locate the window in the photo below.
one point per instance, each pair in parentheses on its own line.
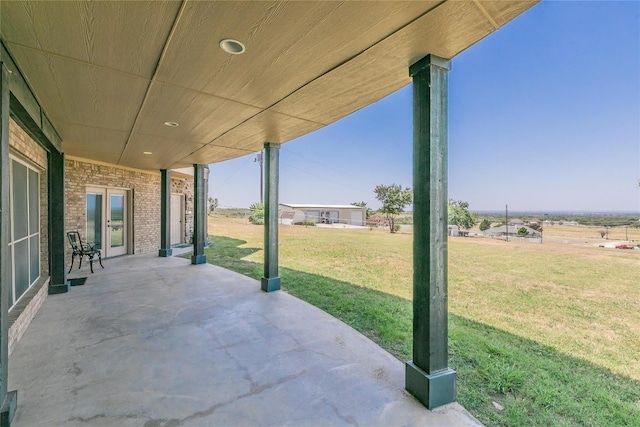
(24,240)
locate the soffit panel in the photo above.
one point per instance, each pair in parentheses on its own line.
(79,93)
(316,61)
(126,36)
(211,154)
(201,117)
(503,12)
(164,151)
(267,126)
(384,68)
(103,145)
(288,44)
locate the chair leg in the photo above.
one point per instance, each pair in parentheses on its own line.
(73,257)
(80,258)
(100,259)
(91,263)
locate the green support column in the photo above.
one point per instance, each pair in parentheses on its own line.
(58,283)
(165,213)
(207,176)
(199,215)
(8,399)
(428,376)
(271,280)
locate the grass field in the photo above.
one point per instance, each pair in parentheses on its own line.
(550,332)
(593,232)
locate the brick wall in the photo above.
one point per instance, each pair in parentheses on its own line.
(22,142)
(185,186)
(21,314)
(144,189)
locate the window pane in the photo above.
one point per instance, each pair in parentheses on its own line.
(34,260)
(21,252)
(19,192)
(117,220)
(94,219)
(34,202)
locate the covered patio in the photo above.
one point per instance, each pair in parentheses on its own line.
(159,342)
(107,107)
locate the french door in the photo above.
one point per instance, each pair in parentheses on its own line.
(107,220)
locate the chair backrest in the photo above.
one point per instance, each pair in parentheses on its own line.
(75,241)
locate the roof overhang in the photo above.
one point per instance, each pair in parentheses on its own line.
(311,206)
(110,74)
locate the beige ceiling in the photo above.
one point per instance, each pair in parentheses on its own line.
(109,74)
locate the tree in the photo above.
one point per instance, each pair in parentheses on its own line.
(257,214)
(485,224)
(459,214)
(213,205)
(523,232)
(394,199)
(368,211)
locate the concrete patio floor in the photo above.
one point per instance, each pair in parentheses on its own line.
(157,342)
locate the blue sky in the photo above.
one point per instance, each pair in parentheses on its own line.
(543,115)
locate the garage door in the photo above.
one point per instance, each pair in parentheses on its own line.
(356,218)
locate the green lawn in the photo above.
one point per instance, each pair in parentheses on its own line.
(550,333)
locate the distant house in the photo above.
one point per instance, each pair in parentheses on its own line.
(511,229)
(516,221)
(533,221)
(455,231)
(322,214)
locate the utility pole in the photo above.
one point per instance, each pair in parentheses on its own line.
(259,159)
(506,220)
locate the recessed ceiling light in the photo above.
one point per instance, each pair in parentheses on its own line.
(231,46)
(171,124)
(147,152)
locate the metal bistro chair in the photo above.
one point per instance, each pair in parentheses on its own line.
(82,249)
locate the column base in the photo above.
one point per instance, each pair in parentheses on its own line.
(431,390)
(59,288)
(165,252)
(271,284)
(8,408)
(198,259)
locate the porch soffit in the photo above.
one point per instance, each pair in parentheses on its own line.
(109,74)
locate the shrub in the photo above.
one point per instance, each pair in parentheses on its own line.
(396,228)
(309,223)
(257,214)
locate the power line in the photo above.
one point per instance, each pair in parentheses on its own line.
(229,177)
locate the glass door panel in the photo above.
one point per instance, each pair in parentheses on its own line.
(117,222)
(116,229)
(107,220)
(94,219)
